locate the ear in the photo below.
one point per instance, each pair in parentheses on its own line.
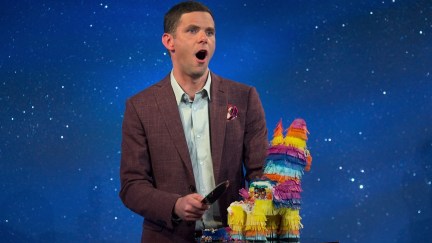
(168,42)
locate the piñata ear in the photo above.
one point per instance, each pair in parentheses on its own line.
(278,137)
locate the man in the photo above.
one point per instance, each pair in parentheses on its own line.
(187,133)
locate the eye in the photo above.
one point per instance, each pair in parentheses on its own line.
(210,33)
(192,30)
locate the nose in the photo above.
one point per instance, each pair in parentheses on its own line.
(202,38)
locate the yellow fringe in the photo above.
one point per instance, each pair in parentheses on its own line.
(263,207)
(295,142)
(273,222)
(236,217)
(278,140)
(256,222)
(291,220)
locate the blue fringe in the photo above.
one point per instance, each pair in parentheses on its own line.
(283,168)
(287,158)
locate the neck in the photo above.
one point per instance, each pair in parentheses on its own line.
(191,84)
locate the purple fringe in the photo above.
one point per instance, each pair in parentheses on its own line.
(287,150)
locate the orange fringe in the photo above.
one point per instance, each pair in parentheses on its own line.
(251,233)
(308,161)
(299,133)
(280,178)
(293,232)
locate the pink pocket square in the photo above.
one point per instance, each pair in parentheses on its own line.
(232,112)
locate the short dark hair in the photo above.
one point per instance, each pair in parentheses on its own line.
(173,16)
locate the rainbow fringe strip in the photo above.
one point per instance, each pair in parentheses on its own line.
(270,208)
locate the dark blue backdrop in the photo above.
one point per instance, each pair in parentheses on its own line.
(359,72)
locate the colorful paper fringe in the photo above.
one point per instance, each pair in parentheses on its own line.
(270,208)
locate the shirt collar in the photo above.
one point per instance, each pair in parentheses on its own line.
(178,91)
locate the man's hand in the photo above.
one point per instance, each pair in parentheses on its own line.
(190,207)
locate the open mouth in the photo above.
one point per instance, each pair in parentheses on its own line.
(201,55)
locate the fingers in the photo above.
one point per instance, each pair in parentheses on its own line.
(190,207)
(195,196)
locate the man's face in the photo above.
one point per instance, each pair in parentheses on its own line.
(193,44)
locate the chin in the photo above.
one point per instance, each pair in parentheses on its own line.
(199,73)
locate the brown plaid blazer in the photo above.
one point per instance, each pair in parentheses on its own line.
(156,168)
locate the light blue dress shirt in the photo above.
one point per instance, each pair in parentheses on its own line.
(194,115)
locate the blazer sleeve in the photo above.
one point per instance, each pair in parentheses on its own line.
(255,137)
(137,186)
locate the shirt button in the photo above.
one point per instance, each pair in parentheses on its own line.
(198,136)
(201,163)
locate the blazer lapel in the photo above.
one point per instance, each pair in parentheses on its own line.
(168,107)
(218,111)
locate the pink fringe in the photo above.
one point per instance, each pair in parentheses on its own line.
(289,150)
(244,194)
(288,190)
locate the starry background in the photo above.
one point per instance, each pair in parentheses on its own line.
(359,73)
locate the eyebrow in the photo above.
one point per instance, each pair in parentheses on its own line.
(211,28)
(198,27)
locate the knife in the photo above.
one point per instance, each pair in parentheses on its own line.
(216,193)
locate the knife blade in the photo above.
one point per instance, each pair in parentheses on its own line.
(216,193)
